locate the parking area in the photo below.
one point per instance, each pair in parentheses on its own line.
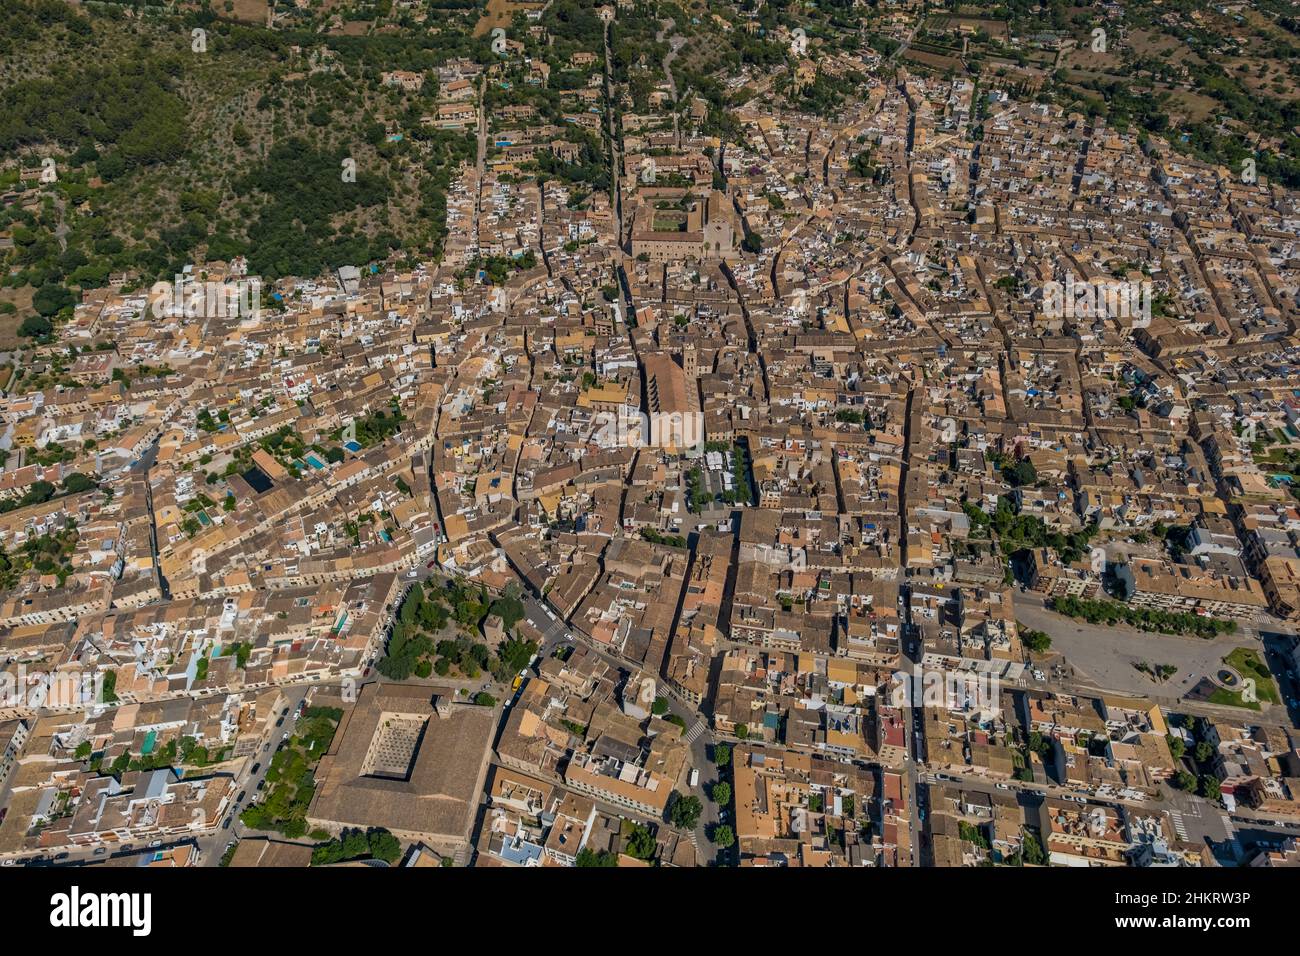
(1104,657)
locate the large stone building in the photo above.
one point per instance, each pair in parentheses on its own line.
(407,760)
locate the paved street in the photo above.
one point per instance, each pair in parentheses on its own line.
(698,735)
(1104,656)
(213,845)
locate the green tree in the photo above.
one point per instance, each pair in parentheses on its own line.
(35,326)
(723,836)
(685,811)
(722,755)
(411,606)
(972,834)
(52,298)
(721,793)
(640,843)
(76,483)
(1036,641)
(1210,788)
(1033,849)
(1022,473)
(384,846)
(509,608)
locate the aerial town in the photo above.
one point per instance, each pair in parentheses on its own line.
(676,435)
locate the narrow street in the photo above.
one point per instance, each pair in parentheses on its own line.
(615,149)
(675,43)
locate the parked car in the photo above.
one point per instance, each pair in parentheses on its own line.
(256,767)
